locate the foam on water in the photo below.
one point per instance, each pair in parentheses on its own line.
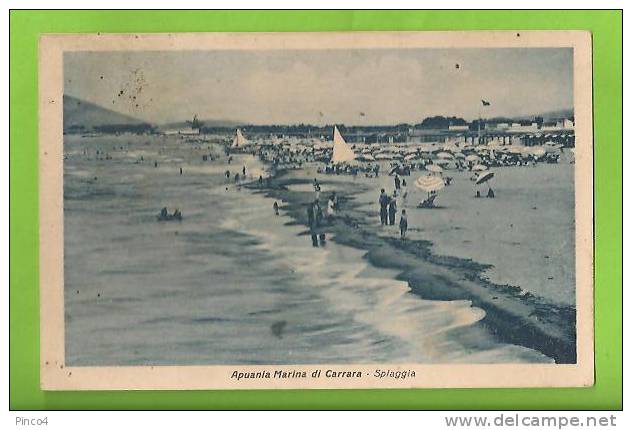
(373,297)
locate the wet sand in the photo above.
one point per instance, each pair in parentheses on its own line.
(512,314)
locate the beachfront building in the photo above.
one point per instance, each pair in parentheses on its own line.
(497,126)
(559,124)
(187,131)
(465,127)
(524,126)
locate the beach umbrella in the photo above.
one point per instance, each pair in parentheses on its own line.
(410,157)
(369,157)
(479,167)
(484,177)
(442,161)
(429,183)
(382,156)
(450,146)
(459,155)
(514,149)
(538,151)
(552,146)
(434,168)
(445,155)
(428,147)
(472,157)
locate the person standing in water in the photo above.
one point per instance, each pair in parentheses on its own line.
(275,206)
(383,206)
(403,224)
(317,189)
(311,222)
(392,209)
(243,171)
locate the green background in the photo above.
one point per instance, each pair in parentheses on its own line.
(25,27)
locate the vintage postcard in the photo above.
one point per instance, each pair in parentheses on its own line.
(316,210)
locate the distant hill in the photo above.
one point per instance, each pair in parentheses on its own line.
(80,115)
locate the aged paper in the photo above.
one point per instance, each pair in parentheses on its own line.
(316,210)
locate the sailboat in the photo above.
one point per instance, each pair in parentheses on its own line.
(239,141)
(342,152)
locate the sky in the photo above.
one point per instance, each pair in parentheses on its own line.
(370,86)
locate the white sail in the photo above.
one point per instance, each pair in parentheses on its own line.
(239,140)
(342,152)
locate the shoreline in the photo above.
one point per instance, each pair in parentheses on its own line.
(512,315)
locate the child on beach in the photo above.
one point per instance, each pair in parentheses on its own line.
(334,197)
(403,224)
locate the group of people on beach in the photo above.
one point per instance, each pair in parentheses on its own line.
(236,176)
(316,219)
(388,211)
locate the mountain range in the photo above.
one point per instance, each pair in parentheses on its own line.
(86,115)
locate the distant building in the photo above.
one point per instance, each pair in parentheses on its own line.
(185,131)
(524,126)
(557,125)
(565,124)
(465,127)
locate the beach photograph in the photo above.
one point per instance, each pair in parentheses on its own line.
(265,211)
(334,206)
